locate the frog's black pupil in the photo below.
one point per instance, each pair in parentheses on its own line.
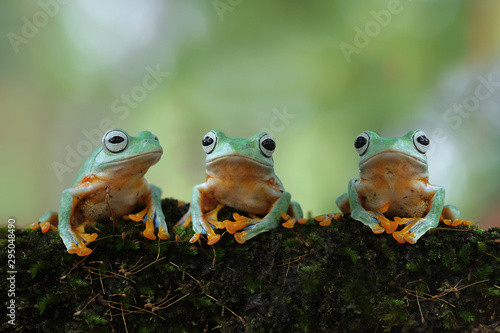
(207,141)
(269,144)
(360,142)
(116,139)
(423,140)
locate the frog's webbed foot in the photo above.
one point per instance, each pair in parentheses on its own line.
(414,228)
(208,222)
(450,215)
(290,221)
(75,239)
(211,235)
(326,220)
(211,217)
(456,222)
(388,225)
(254,226)
(376,221)
(239,223)
(47,222)
(154,219)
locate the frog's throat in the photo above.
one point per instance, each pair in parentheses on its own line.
(235,157)
(137,157)
(390,155)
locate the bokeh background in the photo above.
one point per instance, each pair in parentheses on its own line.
(314,74)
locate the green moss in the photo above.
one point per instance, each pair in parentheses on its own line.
(341,278)
(412,266)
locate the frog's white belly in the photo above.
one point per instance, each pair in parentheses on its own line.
(406,198)
(110,201)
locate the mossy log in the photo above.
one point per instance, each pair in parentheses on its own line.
(340,278)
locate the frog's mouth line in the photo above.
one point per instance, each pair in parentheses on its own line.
(136,157)
(394,155)
(238,157)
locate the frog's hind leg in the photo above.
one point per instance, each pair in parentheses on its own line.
(451,216)
(269,222)
(47,222)
(294,214)
(152,215)
(185,221)
(343,203)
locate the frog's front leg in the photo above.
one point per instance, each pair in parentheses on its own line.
(152,215)
(200,221)
(48,221)
(419,226)
(270,221)
(73,236)
(375,220)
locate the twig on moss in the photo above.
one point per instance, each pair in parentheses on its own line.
(192,277)
(72,268)
(77,313)
(124,322)
(234,313)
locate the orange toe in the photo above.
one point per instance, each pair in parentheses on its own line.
(326,222)
(212,239)
(232,227)
(162,233)
(240,237)
(82,252)
(289,223)
(377,229)
(45,226)
(388,225)
(195,238)
(447,221)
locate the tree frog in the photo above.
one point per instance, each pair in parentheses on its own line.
(394,184)
(110,184)
(240,174)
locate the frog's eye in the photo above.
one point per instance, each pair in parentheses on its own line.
(115,141)
(361,143)
(421,141)
(267,145)
(209,141)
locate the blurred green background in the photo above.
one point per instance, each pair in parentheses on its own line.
(314,74)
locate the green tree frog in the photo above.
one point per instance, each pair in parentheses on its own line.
(394,184)
(240,174)
(110,184)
